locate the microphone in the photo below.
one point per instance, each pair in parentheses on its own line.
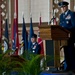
(53,21)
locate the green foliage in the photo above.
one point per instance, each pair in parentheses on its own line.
(7,63)
(0,48)
(4,60)
(27,63)
(32,65)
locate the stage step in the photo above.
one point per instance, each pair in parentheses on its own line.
(57,73)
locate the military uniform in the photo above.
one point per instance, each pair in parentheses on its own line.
(67,20)
(35,48)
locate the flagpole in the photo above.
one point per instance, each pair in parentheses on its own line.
(24,40)
(6,36)
(49,12)
(40,19)
(1,29)
(31,32)
(22,14)
(16,8)
(30,15)
(8,12)
(17,38)
(0,26)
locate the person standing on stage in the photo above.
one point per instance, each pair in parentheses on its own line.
(67,21)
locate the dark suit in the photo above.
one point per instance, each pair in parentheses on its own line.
(35,48)
(68,22)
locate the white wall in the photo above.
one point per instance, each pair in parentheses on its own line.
(23,7)
(35,7)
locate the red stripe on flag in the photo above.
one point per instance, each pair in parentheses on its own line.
(0,26)
(55,22)
(16,21)
(40,42)
(16,8)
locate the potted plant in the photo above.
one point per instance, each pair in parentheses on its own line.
(32,65)
(9,63)
(29,64)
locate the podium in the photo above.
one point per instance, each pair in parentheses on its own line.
(55,37)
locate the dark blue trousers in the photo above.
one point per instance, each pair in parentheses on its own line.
(69,52)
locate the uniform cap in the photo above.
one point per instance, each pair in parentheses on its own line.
(34,36)
(63,3)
